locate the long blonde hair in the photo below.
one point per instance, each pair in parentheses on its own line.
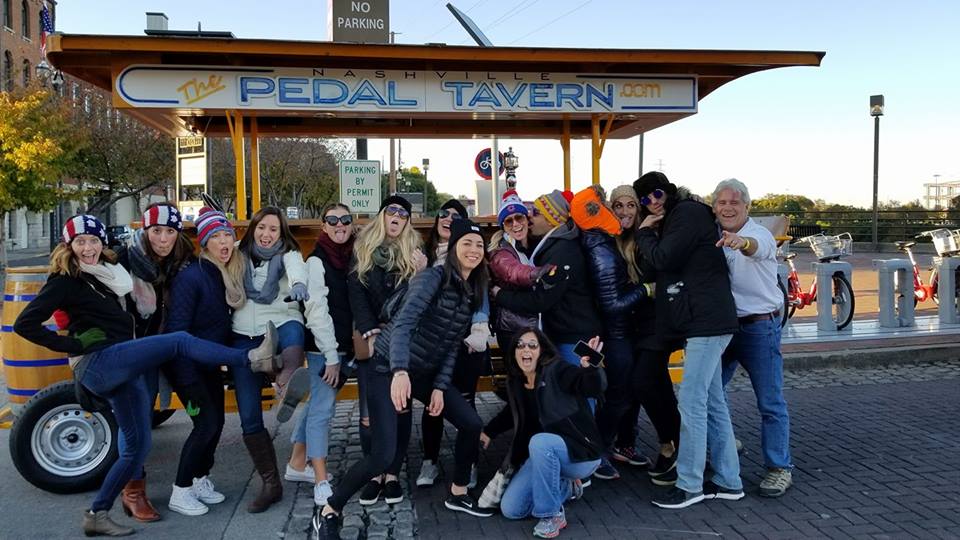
(234,268)
(64,261)
(401,249)
(627,245)
(495,239)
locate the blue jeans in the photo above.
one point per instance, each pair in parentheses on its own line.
(117,374)
(313,428)
(542,484)
(705,418)
(249,385)
(756,347)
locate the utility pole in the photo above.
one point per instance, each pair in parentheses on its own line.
(393,148)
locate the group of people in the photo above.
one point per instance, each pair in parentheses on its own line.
(631,278)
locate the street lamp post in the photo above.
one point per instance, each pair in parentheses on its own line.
(876,111)
(511,162)
(426,179)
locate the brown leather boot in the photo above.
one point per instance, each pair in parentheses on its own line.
(100,524)
(264,458)
(135,502)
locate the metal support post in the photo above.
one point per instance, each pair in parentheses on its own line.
(895,289)
(254,166)
(825,272)
(949,310)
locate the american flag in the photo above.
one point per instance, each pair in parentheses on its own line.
(46,27)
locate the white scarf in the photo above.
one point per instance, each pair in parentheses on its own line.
(114,276)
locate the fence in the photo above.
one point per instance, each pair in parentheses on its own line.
(892,225)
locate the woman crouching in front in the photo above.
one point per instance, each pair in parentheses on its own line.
(548,400)
(414,357)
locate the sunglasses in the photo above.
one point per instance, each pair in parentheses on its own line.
(532,345)
(398,211)
(333,220)
(516,218)
(657,195)
(449,213)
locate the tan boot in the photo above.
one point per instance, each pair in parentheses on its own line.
(100,524)
(264,458)
(264,358)
(292,393)
(135,503)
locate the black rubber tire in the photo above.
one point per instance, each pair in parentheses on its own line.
(60,395)
(785,312)
(841,286)
(159,417)
(935,285)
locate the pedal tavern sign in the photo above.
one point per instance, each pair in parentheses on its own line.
(354,90)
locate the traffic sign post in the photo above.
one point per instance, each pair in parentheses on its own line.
(360,185)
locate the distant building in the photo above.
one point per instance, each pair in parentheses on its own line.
(939,194)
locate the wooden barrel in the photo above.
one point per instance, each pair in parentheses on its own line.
(28,368)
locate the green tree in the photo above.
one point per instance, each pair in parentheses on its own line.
(37,147)
(784,203)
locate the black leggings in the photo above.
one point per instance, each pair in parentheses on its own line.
(203,401)
(386,428)
(470,366)
(654,390)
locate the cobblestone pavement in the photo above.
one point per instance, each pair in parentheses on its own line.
(877,455)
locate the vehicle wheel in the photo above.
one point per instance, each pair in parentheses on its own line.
(785,312)
(59,447)
(842,301)
(160,417)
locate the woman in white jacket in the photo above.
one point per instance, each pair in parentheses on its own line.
(275,283)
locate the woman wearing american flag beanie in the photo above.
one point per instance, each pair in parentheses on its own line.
(107,359)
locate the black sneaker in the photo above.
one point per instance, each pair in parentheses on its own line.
(325,527)
(629,455)
(371,493)
(392,492)
(606,470)
(664,465)
(465,503)
(668,478)
(676,498)
(713,491)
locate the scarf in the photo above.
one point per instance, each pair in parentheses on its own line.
(145,273)
(337,254)
(441,253)
(512,242)
(383,257)
(113,276)
(271,287)
(235,295)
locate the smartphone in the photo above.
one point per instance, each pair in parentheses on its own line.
(582,349)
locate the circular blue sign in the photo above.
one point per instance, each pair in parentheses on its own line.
(482,164)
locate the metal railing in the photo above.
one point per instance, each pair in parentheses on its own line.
(893,225)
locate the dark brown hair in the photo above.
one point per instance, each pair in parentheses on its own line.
(548,351)
(479,279)
(182,250)
(286,236)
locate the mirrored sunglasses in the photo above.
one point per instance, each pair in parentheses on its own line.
(657,195)
(514,218)
(532,345)
(398,211)
(449,213)
(333,220)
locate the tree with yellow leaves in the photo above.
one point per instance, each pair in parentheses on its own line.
(37,147)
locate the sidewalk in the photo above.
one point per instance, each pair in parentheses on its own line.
(875,453)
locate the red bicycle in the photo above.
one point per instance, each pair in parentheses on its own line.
(947,244)
(826,248)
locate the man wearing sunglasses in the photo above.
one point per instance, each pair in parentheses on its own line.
(751,253)
(678,237)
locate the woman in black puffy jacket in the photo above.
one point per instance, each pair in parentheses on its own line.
(617,299)
(414,357)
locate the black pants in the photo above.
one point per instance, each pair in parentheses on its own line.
(386,426)
(203,401)
(470,366)
(654,391)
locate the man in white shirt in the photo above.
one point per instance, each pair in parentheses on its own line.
(751,257)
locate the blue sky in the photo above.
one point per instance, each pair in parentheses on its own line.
(796,130)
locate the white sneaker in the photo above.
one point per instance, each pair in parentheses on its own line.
(473,477)
(306,475)
(322,492)
(203,489)
(183,501)
(428,473)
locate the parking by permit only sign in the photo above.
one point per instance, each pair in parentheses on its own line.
(360,185)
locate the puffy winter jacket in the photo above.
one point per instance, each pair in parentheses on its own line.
(509,272)
(617,298)
(693,285)
(425,335)
(251,319)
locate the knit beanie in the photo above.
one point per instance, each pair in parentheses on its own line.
(162,214)
(84,224)
(650,181)
(210,221)
(511,204)
(589,211)
(399,201)
(456,205)
(625,190)
(460,228)
(554,207)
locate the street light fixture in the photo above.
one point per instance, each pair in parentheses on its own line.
(876,111)
(511,162)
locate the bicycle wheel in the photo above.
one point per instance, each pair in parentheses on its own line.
(842,301)
(784,308)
